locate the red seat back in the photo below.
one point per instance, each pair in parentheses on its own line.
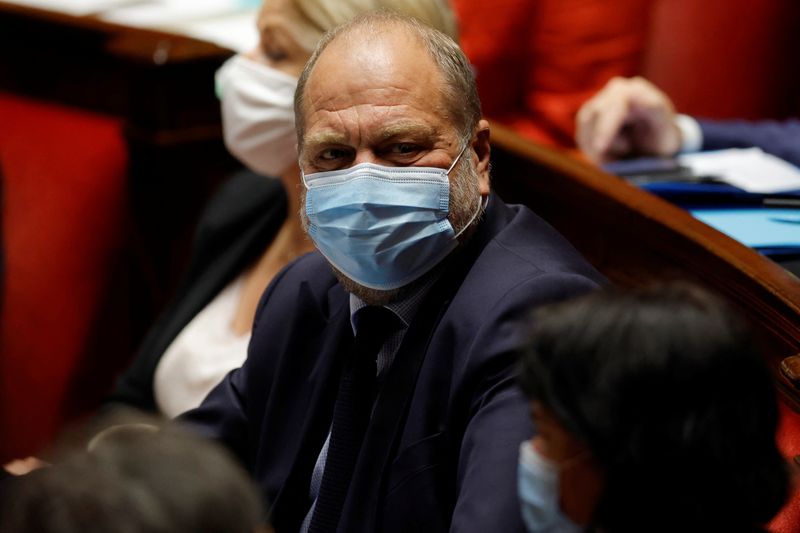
(64,212)
(726,58)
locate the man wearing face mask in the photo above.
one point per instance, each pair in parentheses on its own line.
(250,230)
(378,393)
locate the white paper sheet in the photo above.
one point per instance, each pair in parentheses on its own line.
(750,169)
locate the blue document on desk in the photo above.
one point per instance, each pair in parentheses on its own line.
(774,229)
(767,219)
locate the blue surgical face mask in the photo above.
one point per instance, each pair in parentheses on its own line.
(382,227)
(538,488)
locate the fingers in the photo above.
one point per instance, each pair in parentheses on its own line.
(620,147)
(609,128)
(628,116)
(654,121)
(602,119)
(585,121)
(20,467)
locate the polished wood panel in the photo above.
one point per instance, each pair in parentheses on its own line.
(635,238)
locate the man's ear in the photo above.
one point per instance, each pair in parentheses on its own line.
(482,150)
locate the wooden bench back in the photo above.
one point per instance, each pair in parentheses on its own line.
(635,238)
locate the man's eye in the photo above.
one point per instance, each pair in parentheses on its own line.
(332,154)
(404,148)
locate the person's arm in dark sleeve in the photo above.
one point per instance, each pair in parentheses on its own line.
(487,465)
(781,139)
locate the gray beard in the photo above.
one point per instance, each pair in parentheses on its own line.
(464,200)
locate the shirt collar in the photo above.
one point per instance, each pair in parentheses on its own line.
(404,308)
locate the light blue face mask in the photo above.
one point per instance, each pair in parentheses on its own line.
(538,488)
(383,227)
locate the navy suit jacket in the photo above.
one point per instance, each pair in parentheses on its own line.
(441,449)
(781,139)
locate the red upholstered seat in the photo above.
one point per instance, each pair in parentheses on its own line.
(537,61)
(64,192)
(726,58)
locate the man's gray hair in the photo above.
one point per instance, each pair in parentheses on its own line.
(460,92)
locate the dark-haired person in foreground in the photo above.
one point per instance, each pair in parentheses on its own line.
(654,412)
(136,477)
(379,392)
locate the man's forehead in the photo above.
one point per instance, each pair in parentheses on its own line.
(382,73)
(407,130)
(373,37)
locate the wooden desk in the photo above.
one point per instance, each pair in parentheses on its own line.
(138,74)
(635,238)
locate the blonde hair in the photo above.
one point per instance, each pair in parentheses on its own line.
(322,16)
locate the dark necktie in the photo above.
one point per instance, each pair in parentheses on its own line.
(351,414)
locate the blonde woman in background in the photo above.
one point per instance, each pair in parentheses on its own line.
(251,228)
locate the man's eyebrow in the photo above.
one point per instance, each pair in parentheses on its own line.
(412,129)
(323,138)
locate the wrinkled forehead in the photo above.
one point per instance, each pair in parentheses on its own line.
(381,66)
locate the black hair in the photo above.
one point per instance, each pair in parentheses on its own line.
(137,478)
(666,388)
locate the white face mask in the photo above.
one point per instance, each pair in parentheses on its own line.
(258,114)
(538,487)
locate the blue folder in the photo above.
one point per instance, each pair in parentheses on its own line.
(770,223)
(774,230)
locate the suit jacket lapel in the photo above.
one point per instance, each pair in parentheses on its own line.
(393,402)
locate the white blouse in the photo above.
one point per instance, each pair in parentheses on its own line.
(201,355)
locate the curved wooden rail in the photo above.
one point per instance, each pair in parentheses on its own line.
(634,238)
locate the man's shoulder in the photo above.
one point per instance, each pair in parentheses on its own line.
(304,292)
(525,244)
(311,271)
(306,285)
(524,262)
